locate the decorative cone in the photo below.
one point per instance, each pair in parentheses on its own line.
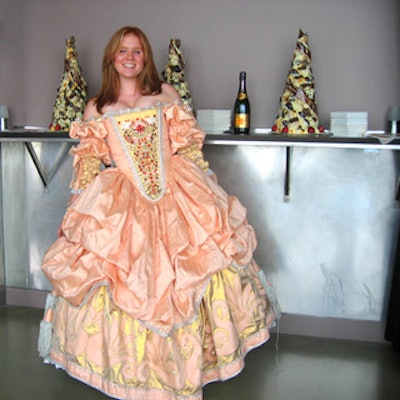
(71,96)
(298,113)
(174,72)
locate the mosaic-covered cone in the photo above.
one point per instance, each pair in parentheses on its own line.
(298,112)
(71,95)
(174,72)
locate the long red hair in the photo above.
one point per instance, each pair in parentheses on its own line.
(149,80)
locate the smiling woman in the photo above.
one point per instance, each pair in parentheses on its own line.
(129,60)
(129,75)
(156,292)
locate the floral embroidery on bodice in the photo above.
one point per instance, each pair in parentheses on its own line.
(139,132)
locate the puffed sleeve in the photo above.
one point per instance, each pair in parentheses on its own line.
(89,155)
(185,135)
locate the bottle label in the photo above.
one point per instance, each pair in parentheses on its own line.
(242,120)
(242,96)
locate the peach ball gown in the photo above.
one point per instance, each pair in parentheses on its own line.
(156,292)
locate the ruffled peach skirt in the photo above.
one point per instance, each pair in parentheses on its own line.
(153,300)
(104,347)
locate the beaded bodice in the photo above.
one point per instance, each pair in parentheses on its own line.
(139,133)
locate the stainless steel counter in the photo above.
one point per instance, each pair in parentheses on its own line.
(377,140)
(325,210)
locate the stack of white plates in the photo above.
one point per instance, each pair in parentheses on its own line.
(214,121)
(349,123)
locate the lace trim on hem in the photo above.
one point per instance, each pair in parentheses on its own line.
(238,266)
(76,191)
(46,328)
(146,324)
(271,294)
(184,323)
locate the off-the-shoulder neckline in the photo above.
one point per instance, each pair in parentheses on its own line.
(128,110)
(158,105)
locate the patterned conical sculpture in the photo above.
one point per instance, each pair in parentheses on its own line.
(174,72)
(71,96)
(298,113)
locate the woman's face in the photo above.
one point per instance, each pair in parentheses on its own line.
(129,60)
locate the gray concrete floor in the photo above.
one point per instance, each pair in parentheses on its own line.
(291,368)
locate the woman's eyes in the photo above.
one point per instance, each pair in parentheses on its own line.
(137,52)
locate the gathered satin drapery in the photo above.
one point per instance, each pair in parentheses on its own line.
(156,292)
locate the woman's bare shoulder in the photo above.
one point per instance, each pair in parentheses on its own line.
(90,110)
(169,94)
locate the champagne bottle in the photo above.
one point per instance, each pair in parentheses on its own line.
(241,120)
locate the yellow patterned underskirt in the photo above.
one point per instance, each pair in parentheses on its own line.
(101,345)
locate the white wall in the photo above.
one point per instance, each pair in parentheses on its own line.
(354,44)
